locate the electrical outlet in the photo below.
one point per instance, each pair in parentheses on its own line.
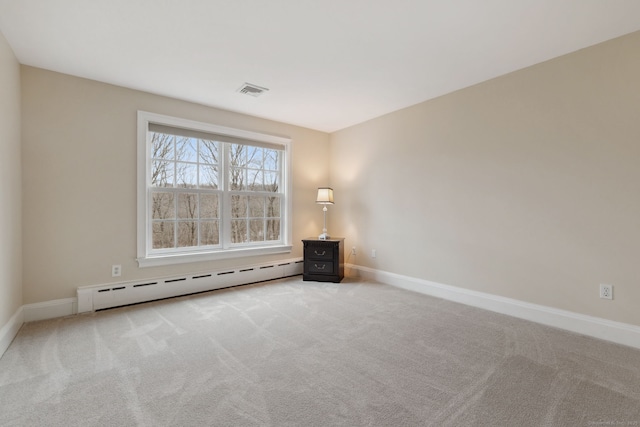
(373,253)
(116,270)
(606,291)
(353,250)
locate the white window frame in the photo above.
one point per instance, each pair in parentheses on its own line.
(148,258)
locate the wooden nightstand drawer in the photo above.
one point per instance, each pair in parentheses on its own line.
(319,251)
(321,267)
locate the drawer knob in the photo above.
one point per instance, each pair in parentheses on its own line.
(320,268)
(316,252)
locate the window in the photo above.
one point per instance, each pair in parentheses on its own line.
(209,192)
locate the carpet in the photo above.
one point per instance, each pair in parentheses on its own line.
(294,353)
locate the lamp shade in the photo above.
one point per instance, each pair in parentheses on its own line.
(325,196)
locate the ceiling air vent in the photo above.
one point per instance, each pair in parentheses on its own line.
(251,89)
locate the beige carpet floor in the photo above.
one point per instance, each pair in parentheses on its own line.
(294,353)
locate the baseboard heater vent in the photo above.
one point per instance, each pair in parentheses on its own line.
(100,297)
(145,284)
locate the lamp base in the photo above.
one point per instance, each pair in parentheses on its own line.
(323,236)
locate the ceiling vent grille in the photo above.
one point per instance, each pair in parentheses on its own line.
(252,90)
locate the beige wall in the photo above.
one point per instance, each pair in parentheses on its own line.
(10,185)
(79,161)
(525,186)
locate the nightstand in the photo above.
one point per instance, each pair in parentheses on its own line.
(323,260)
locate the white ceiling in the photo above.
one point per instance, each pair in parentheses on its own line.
(328,64)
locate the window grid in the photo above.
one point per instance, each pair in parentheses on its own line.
(254,187)
(192,221)
(186,171)
(201,173)
(184,197)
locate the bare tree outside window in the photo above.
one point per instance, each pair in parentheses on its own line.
(255,214)
(180,163)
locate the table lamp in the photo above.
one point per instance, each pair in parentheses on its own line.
(325,197)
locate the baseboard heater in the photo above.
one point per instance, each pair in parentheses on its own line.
(100,297)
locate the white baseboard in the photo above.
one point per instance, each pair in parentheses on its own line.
(50,309)
(33,312)
(621,333)
(617,332)
(10,330)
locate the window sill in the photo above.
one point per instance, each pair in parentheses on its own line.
(160,260)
